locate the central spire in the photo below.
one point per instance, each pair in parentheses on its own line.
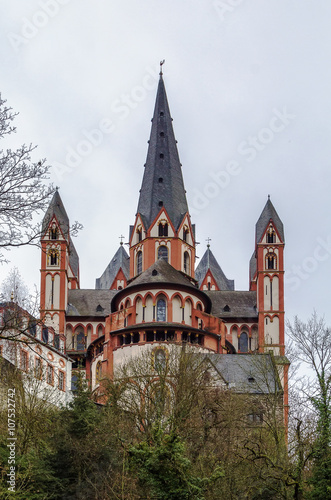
(162,184)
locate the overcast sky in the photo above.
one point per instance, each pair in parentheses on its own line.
(248,85)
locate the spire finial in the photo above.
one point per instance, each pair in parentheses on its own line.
(208,240)
(121,238)
(268,196)
(161,64)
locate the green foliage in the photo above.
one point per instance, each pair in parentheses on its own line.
(163,469)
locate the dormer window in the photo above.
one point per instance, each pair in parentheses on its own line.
(139,233)
(53,233)
(271,236)
(163,229)
(226,308)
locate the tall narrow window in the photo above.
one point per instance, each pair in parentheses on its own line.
(160,360)
(24,361)
(80,341)
(139,262)
(98,372)
(38,368)
(243,342)
(61,380)
(185,233)
(186,263)
(45,334)
(162,253)
(49,375)
(140,233)
(161,312)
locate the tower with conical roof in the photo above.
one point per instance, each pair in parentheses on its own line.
(162,229)
(59,265)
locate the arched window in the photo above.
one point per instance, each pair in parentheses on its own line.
(53,233)
(186,263)
(243,342)
(163,229)
(271,236)
(162,253)
(185,233)
(160,359)
(139,262)
(161,310)
(53,257)
(271,261)
(98,372)
(80,341)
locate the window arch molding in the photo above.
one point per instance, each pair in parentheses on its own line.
(127,303)
(148,295)
(137,297)
(177,295)
(271,260)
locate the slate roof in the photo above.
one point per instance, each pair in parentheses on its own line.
(208,261)
(85,302)
(56,208)
(269,212)
(241,304)
(161,272)
(255,374)
(162,163)
(73,258)
(252,266)
(120,260)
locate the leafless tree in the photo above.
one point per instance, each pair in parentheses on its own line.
(24,189)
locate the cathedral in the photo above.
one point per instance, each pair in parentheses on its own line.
(154,295)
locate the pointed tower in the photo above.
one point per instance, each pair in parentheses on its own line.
(209,274)
(162,229)
(59,265)
(117,272)
(267,278)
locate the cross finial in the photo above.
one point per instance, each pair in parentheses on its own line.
(268,196)
(121,238)
(161,64)
(208,240)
